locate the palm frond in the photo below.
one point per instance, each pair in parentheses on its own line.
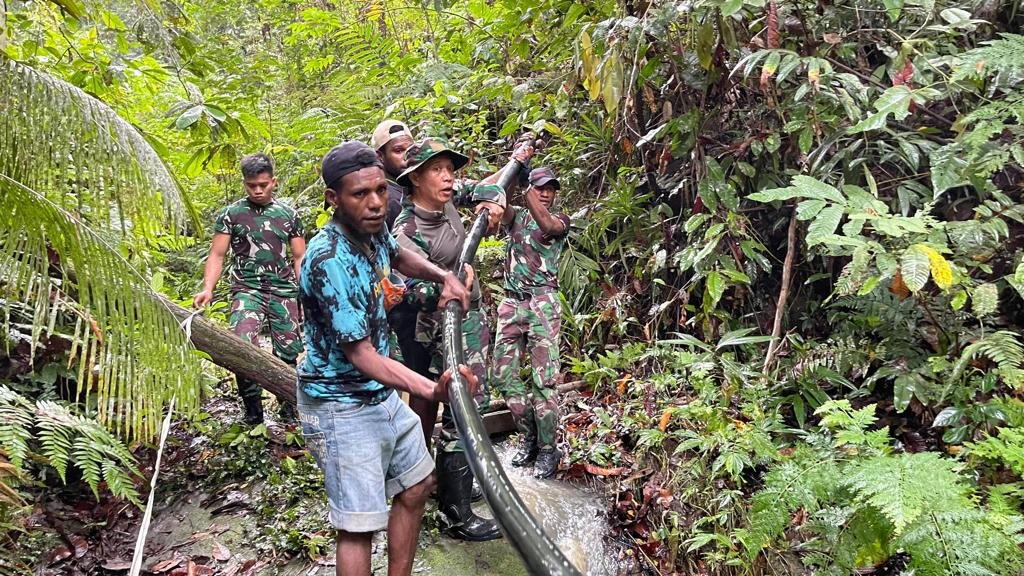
(132,356)
(77,152)
(80,185)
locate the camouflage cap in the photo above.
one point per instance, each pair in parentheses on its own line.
(543,175)
(387,131)
(424,150)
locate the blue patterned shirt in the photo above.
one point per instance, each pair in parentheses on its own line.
(342,301)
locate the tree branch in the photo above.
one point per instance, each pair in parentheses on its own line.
(787,278)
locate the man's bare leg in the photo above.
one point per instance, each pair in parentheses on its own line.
(352,554)
(404,526)
(427,411)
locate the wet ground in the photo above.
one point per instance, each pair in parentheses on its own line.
(193,529)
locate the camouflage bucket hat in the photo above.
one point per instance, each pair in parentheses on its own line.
(424,150)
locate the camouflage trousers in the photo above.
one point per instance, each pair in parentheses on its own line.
(530,326)
(250,311)
(424,354)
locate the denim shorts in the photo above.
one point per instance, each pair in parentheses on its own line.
(367,452)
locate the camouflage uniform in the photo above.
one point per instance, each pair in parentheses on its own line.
(439,237)
(529,319)
(263,286)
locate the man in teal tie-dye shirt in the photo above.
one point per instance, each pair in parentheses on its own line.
(364,438)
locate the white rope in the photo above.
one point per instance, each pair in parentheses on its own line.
(140,541)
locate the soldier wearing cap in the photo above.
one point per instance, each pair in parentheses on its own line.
(259,231)
(391,139)
(529,319)
(430,224)
(366,441)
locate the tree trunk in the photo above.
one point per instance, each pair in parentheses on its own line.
(231,352)
(787,278)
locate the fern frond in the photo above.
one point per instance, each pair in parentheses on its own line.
(963,542)
(15,425)
(364,47)
(1006,447)
(904,487)
(69,438)
(131,352)
(56,427)
(70,171)
(89,459)
(806,481)
(996,56)
(119,483)
(82,156)
(1002,347)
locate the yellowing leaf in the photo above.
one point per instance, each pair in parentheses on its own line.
(942,274)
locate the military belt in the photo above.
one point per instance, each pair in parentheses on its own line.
(527,295)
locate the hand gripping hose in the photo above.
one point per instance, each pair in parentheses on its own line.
(537,550)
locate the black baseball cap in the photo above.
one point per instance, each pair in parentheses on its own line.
(543,175)
(347,157)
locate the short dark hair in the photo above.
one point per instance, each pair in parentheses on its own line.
(256,164)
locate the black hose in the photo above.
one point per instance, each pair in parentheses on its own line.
(537,550)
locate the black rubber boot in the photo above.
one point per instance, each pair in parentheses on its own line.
(454,484)
(287,413)
(527,450)
(253,410)
(547,463)
(477,494)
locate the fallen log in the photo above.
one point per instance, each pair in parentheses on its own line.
(231,352)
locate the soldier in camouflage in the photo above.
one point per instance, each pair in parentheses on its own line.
(529,319)
(259,231)
(430,224)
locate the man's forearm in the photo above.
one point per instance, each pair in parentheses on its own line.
(212,271)
(547,223)
(388,372)
(413,265)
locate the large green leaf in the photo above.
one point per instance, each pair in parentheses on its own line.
(984,299)
(895,100)
(809,208)
(893,8)
(824,225)
(716,287)
(740,337)
(948,168)
(915,268)
(803,187)
(189,117)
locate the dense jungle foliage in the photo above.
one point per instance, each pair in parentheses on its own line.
(795,275)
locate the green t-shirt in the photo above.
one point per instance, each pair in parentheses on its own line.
(531,262)
(260,237)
